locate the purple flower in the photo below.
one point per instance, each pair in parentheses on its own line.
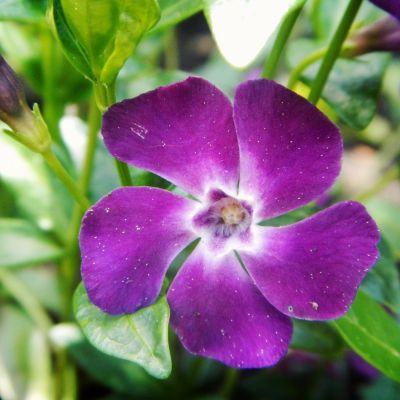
(391,6)
(285,153)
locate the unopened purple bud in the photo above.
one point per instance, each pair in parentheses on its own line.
(11,94)
(383,35)
(27,126)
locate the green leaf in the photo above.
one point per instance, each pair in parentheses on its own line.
(173,12)
(383,282)
(141,337)
(241,28)
(23,10)
(99,35)
(353,86)
(37,196)
(315,337)
(373,334)
(21,244)
(116,373)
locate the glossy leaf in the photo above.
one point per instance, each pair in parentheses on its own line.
(99,35)
(22,244)
(141,337)
(116,373)
(241,28)
(373,334)
(383,281)
(22,10)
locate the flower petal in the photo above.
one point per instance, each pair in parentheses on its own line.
(312,269)
(391,6)
(218,312)
(289,151)
(183,132)
(128,239)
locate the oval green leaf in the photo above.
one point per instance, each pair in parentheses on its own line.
(373,334)
(141,337)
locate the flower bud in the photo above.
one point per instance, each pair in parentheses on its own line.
(27,127)
(11,94)
(383,35)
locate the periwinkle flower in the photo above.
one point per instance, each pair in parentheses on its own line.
(271,153)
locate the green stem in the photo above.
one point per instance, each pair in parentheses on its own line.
(28,302)
(334,50)
(69,270)
(105,97)
(303,65)
(284,32)
(65,178)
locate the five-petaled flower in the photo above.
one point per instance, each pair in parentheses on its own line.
(271,153)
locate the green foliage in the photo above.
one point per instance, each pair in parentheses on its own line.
(173,12)
(373,334)
(141,337)
(353,86)
(99,35)
(118,374)
(325,16)
(24,357)
(33,246)
(23,10)
(383,281)
(316,337)
(37,197)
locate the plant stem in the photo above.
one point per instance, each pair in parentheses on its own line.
(65,178)
(334,50)
(284,32)
(69,270)
(105,97)
(303,65)
(171,52)
(27,301)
